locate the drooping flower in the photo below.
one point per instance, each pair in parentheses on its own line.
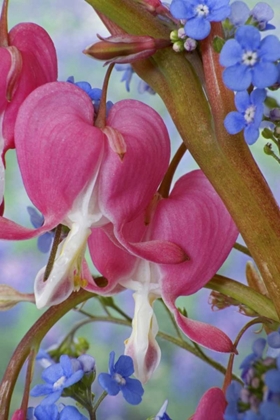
(211,406)
(248,59)
(239,13)
(83,176)
(27,60)
(58,376)
(249,114)
(199,14)
(194,217)
(258,349)
(118,379)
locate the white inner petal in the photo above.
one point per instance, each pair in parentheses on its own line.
(249,58)
(202,10)
(250,114)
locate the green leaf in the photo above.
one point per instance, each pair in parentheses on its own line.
(244,294)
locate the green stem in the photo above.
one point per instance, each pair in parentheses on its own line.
(167,180)
(177,341)
(242,248)
(99,401)
(51,260)
(101,117)
(31,340)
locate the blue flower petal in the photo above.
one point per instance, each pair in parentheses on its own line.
(46,412)
(272,380)
(270,410)
(41,389)
(180,10)
(238,77)
(252,415)
(45,241)
(71,413)
(132,391)
(248,37)
(74,378)
(124,366)
(270,48)
(65,363)
(36,218)
(242,101)
(258,96)
(108,383)
(52,398)
(234,122)
(273,339)
(259,346)
(239,13)
(197,28)
(264,74)
(220,13)
(233,392)
(231,53)
(111,362)
(251,134)
(52,373)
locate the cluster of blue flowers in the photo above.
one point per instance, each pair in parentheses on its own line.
(250,62)
(259,398)
(73,377)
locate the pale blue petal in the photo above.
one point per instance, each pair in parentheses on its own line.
(51,398)
(109,384)
(234,122)
(36,218)
(242,101)
(239,13)
(180,10)
(42,389)
(248,37)
(251,134)
(273,339)
(258,96)
(44,242)
(76,377)
(264,75)
(219,14)
(124,366)
(71,413)
(270,48)
(133,391)
(197,28)
(231,53)
(259,346)
(111,362)
(52,373)
(270,409)
(237,77)
(46,412)
(66,365)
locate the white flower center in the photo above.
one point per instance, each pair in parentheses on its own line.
(249,58)
(119,379)
(250,114)
(59,383)
(202,10)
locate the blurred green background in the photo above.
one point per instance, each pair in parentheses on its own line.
(180,378)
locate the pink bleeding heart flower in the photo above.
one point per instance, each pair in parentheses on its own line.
(83,176)
(211,406)
(27,60)
(195,218)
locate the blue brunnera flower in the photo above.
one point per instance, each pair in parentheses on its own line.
(118,379)
(199,14)
(248,116)
(248,59)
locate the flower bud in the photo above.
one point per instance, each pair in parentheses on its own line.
(125,48)
(9,297)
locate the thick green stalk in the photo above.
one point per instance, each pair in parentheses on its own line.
(31,341)
(236,178)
